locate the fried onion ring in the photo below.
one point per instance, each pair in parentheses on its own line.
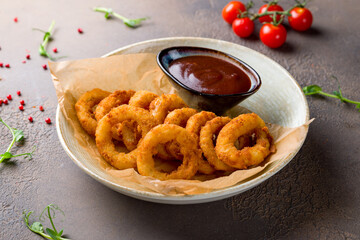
(127,132)
(178,117)
(84,109)
(114,100)
(160,135)
(104,143)
(122,132)
(142,99)
(194,125)
(164,104)
(207,133)
(248,156)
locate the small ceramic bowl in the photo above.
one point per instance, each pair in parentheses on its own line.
(203,101)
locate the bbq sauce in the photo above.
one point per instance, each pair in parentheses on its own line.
(210,75)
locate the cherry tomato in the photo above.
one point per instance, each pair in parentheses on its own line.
(243,27)
(231,11)
(273,36)
(268,18)
(300,19)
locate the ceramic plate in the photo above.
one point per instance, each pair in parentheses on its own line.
(280,100)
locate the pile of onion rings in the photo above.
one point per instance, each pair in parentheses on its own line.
(165,139)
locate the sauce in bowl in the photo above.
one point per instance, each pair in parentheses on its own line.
(211,75)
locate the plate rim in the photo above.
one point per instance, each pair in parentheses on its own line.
(187,199)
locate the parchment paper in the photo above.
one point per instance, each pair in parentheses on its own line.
(140,72)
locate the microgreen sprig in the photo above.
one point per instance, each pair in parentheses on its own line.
(18,136)
(315,89)
(46,39)
(37,227)
(133,23)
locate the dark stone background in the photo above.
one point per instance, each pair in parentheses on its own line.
(315,197)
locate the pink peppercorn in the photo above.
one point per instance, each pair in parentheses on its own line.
(55,50)
(41,108)
(21,107)
(18,93)
(80,30)
(48,120)
(16,19)
(9,97)
(22,102)
(28,56)
(7,65)
(1,102)
(30,119)
(44,67)
(1,64)
(6,101)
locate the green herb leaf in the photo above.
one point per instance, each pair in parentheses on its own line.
(52,233)
(47,36)
(133,23)
(312,89)
(336,93)
(6,155)
(18,134)
(37,227)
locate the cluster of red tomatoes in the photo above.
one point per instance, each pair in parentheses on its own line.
(271,15)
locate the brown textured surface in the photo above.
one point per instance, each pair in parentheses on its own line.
(315,197)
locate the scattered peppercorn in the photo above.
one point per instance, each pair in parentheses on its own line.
(9,97)
(55,50)
(24,61)
(22,102)
(44,67)
(7,65)
(1,102)
(1,64)
(6,101)
(30,119)
(18,93)
(41,108)
(48,120)
(21,107)
(28,56)
(16,19)
(80,30)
